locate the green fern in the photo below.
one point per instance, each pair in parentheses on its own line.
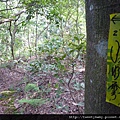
(32,87)
(34,102)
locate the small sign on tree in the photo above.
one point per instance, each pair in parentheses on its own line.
(113,61)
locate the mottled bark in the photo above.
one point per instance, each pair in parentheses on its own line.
(98,21)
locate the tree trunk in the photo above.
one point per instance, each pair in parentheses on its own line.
(98,22)
(36,35)
(12,35)
(29,43)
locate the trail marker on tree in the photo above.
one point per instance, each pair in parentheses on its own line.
(113,61)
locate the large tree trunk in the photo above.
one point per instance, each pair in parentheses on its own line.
(98,22)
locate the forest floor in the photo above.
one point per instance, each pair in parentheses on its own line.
(62,98)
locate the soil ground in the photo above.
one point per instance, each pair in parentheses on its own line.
(61,98)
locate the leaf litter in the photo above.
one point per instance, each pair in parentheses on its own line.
(59,98)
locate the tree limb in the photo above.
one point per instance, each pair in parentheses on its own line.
(12,19)
(10,8)
(6,20)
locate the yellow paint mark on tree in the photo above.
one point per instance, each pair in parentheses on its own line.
(113,61)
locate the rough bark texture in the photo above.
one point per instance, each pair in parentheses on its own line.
(98,21)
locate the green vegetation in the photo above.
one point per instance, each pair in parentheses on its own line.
(43,37)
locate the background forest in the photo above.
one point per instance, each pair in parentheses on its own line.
(42,56)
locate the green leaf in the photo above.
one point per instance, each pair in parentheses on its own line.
(82,85)
(76,38)
(34,102)
(58,92)
(63,56)
(7,93)
(77,86)
(61,81)
(56,75)
(33,87)
(59,107)
(79,104)
(56,85)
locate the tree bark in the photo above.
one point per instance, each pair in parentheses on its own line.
(98,22)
